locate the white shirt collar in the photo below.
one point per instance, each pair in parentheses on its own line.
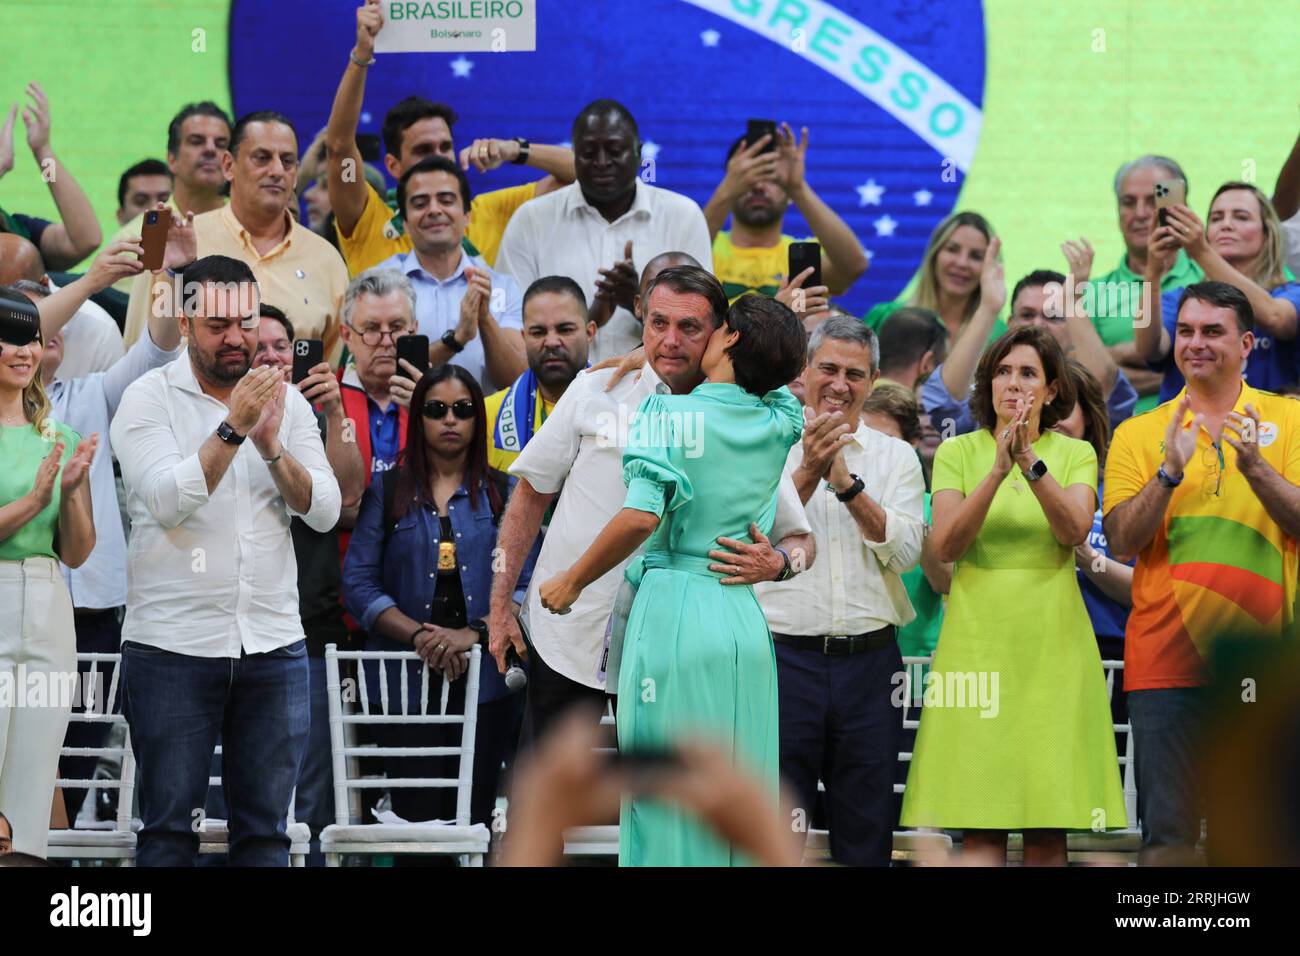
(575,203)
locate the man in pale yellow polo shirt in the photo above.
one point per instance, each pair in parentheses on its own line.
(197,137)
(369,228)
(296,270)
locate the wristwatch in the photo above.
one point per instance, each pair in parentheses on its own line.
(229,435)
(479,627)
(852,491)
(522,158)
(1162,476)
(449,339)
(1036,470)
(786,572)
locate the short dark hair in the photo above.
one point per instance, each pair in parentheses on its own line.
(433,164)
(561,284)
(908,334)
(258,116)
(1039,277)
(1054,371)
(219,269)
(772,347)
(600,107)
(692,280)
(203,108)
(406,113)
(900,404)
(266,311)
(146,167)
(1223,295)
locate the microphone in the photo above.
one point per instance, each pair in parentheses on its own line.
(516,676)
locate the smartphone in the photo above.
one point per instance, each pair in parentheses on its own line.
(1169,192)
(758,128)
(153,236)
(307,354)
(645,767)
(415,349)
(803,255)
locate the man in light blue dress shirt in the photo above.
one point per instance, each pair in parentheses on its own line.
(472,315)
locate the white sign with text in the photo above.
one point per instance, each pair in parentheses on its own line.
(419,26)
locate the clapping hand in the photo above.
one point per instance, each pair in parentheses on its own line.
(1079,255)
(78,466)
(1246,428)
(618,284)
(43,486)
(1180,442)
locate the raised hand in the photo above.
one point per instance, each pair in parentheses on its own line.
(1162,250)
(370,20)
(7,141)
(823,437)
(993,283)
(791,158)
(321,388)
(36,117)
(1079,255)
(473,304)
(1246,428)
(43,486)
(619,282)
(266,433)
(182,245)
(1187,227)
(1180,441)
(78,466)
(251,395)
(119,260)
(748,167)
(808,303)
(488,154)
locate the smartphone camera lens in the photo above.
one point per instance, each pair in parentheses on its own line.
(151,218)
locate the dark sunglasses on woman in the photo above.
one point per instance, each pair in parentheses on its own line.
(437,410)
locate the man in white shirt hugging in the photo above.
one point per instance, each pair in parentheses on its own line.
(216,459)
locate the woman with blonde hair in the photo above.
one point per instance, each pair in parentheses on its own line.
(1240,244)
(45,517)
(949,280)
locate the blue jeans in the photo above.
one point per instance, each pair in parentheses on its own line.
(1166,746)
(314,803)
(177,706)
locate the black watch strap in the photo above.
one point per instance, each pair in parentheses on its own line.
(786,572)
(522,158)
(479,626)
(852,491)
(228,435)
(449,339)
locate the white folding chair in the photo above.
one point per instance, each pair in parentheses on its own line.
(214,833)
(113,840)
(349,833)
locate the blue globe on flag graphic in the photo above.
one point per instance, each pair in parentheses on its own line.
(891,93)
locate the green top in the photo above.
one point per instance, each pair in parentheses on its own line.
(875,318)
(919,638)
(22,449)
(1117,294)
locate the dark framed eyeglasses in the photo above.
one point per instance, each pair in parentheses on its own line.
(373,337)
(437,410)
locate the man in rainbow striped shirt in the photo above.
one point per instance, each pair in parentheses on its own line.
(1211,509)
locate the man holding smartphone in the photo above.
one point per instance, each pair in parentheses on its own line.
(760,184)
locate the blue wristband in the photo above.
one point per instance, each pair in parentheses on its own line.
(1162,476)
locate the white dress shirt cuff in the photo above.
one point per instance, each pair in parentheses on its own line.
(326,502)
(890,552)
(191,485)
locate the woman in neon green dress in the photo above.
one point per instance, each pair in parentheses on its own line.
(697,656)
(1016,731)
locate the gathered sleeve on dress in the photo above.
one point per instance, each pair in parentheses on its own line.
(655,481)
(789,413)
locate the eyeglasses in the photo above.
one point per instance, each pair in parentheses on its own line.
(1212,458)
(373,337)
(437,410)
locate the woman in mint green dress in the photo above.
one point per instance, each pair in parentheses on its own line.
(1015,729)
(697,656)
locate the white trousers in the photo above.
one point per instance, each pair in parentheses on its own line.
(38,652)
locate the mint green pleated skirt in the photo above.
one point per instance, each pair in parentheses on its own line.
(698,664)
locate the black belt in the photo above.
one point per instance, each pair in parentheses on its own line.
(841,643)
